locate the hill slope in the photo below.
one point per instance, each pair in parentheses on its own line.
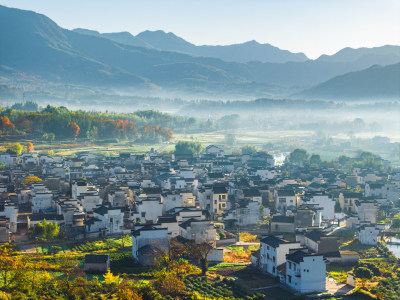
(33,44)
(374,82)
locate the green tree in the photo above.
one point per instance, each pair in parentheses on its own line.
(249,149)
(315,159)
(46,231)
(363,273)
(298,156)
(186,147)
(2,165)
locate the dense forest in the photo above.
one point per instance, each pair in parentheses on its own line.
(60,123)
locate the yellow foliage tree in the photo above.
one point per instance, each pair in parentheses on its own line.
(109,278)
(30,179)
(248,237)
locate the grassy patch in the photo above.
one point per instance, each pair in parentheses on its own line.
(355,245)
(338,272)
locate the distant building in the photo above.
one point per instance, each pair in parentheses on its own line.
(368,234)
(305,272)
(96,263)
(273,251)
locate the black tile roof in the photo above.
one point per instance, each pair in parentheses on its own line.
(283,219)
(273,241)
(285,193)
(315,235)
(96,259)
(251,193)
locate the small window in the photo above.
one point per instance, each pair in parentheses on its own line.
(290,265)
(111,220)
(143,214)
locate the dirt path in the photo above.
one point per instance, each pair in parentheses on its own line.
(337,288)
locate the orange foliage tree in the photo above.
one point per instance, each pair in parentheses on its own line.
(29,147)
(73,129)
(23,124)
(6,124)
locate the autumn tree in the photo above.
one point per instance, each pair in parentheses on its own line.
(168,283)
(15,148)
(23,124)
(9,263)
(248,237)
(199,252)
(31,179)
(70,270)
(6,124)
(73,129)
(29,147)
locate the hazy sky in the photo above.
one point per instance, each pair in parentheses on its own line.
(310,26)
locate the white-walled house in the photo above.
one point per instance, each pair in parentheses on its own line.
(81,187)
(323,201)
(245,213)
(305,272)
(112,219)
(284,198)
(148,242)
(199,231)
(172,200)
(10,211)
(42,198)
(170,223)
(385,190)
(273,251)
(89,200)
(367,210)
(368,234)
(148,210)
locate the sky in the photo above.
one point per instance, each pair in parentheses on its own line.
(313,27)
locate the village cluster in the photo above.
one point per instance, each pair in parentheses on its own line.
(155,197)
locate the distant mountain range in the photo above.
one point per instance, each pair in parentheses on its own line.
(372,83)
(157,61)
(249,51)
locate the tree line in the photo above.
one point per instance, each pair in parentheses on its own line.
(60,123)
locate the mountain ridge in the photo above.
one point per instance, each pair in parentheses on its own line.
(34,44)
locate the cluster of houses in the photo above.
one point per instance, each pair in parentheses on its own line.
(159,196)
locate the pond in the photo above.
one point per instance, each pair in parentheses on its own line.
(394,245)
